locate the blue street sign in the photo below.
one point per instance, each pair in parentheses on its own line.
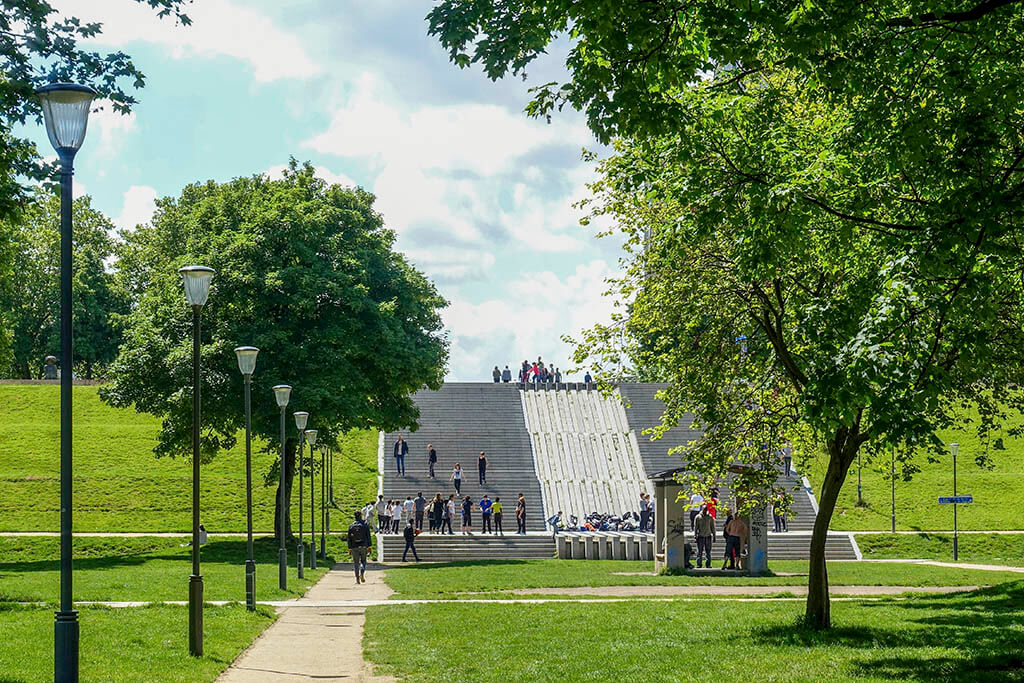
(956,499)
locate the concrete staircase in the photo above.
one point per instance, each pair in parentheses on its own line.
(459,548)
(461,420)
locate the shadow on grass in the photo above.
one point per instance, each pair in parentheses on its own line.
(984,625)
(458,564)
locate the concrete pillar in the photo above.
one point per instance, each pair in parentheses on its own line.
(675,527)
(631,547)
(659,526)
(562,543)
(757,550)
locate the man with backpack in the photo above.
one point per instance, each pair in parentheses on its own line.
(410,538)
(359,545)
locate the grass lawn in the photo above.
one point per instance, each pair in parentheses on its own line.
(917,507)
(147,569)
(136,644)
(448,579)
(121,486)
(976,637)
(1005,549)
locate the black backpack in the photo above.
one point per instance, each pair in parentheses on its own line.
(355,535)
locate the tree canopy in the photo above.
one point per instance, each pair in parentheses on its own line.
(32,303)
(839,182)
(307,273)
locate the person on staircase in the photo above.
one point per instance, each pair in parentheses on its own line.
(506,375)
(431,460)
(496,508)
(436,514)
(420,506)
(396,516)
(705,531)
(359,543)
(410,541)
(521,515)
(383,520)
(448,515)
(485,514)
(457,478)
(481,466)
(467,516)
(496,375)
(401,450)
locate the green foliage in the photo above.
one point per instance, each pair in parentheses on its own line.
(40,45)
(119,486)
(1005,549)
(934,638)
(32,308)
(306,272)
(130,644)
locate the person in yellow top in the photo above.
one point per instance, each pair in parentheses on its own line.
(496,509)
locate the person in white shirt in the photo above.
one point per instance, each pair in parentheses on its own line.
(368,511)
(382,511)
(408,505)
(696,500)
(396,517)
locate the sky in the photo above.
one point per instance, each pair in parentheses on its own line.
(480,195)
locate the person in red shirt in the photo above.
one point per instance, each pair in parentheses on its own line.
(712,504)
(534,373)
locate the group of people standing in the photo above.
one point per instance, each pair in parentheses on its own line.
(439,513)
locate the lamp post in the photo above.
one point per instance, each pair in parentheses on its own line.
(197,288)
(312,512)
(892,477)
(330,488)
(860,498)
(311,436)
(247,365)
(323,505)
(300,424)
(954,448)
(66,114)
(281,394)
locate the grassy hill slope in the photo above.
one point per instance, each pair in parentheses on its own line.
(121,486)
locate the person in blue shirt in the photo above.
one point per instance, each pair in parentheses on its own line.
(485,513)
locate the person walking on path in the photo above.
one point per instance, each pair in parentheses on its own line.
(421,507)
(705,530)
(496,509)
(496,374)
(431,459)
(521,515)
(457,478)
(447,515)
(436,513)
(506,375)
(467,516)
(401,450)
(358,545)
(485,514)
(410,542)
(382,513)
(481,466)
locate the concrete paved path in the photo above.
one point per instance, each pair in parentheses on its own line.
(319,636)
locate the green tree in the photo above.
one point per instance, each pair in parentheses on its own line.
(840,181)
(307,273)
(32,306)
(39,45)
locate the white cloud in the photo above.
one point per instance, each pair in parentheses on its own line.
(110,127)
(529,320)
(137,207)
(219,28)
(322,172)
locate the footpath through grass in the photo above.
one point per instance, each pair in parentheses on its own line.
(121,486)
(1006,549)
(976,637)
(446,580)
(131,645)
(149,569)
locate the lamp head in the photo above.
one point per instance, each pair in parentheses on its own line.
(311,437)
(282,392)
(197,283)
(66,114)
(300,419)
(954,448)
(246,359)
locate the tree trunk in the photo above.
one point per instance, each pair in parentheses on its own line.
(841,455)
(289,477)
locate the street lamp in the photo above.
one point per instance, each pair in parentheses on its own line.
(300,424)
(247,365)
(312,505)
(311,435)
(892,477)
(282,392)
(66,114)
(954,448)
(330,489)
(197,288)
(323,503)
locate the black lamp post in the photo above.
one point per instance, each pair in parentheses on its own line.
(311,435)
(247,365)
(323,502)
(954,448)
(66,114)
(197,289)
(330,489)
(312,510)
(282,392)
(300,424)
